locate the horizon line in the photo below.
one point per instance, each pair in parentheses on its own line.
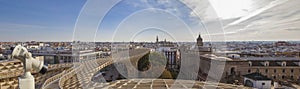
(167,41)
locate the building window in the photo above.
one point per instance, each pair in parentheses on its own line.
(274,70)
(250,63)
(283,64)
(282,76)
(274,77)
(266,70)
(249,71)
(292,77)
(266,63)
(283,70)
(292,70)
(262,83)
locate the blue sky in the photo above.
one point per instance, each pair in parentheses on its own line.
(50,20)
(141,15)
(143,20)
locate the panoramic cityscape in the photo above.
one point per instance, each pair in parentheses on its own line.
(150,44)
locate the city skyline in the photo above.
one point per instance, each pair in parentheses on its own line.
(155,44)
(271,20)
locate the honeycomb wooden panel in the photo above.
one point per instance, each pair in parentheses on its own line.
(9,66)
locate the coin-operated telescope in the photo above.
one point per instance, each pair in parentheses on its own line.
(26,81)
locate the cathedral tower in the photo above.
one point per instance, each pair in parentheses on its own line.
(199,41)
(156,39)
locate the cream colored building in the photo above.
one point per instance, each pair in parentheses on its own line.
(279,69)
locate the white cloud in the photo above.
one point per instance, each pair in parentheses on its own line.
(257,12)
(266,20)
(251,22)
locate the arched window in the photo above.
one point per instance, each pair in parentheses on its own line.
(283,64)
(250,63)
(266,63)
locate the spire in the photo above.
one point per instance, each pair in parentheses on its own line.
(156,39)
(199,36)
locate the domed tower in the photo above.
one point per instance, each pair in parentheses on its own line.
(199,41)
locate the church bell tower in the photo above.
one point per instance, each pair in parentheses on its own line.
(199,41)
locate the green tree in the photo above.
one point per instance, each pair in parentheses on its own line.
(166,75)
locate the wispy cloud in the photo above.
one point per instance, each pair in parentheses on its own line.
(171,6)
(279,17)
(292,29)
(257,12)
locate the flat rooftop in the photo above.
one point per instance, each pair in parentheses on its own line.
(272,58)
